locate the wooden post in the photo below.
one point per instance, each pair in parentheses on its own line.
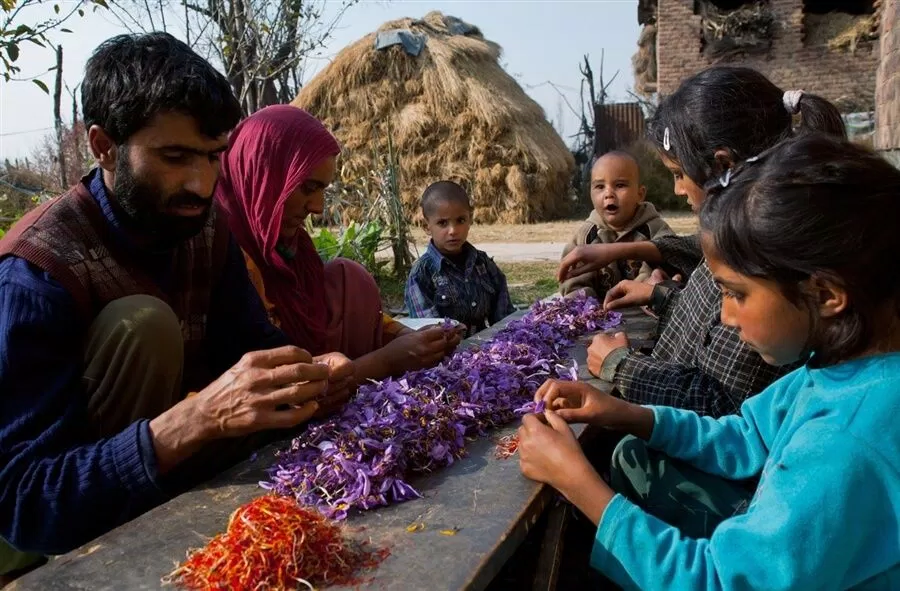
(57,117)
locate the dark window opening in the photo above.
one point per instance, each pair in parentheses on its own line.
(730,28)
(727,4)
(847,6)
(839,25)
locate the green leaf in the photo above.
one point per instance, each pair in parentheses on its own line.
(42,86)
(56,8)
(66,30)
(23,30)
(80,12)
(12,50)
(35,41)
(7,5)
(101,3)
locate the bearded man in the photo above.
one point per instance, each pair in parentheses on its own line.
(135,355)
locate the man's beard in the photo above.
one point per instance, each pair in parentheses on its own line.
(142,204)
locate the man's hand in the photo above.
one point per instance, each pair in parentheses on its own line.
(600,348)
(576,402)
(628,293)
(273,389)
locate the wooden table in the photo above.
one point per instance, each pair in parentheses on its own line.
(488,499)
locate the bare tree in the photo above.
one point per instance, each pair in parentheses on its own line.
(19,27)
(57,118)
(262,45)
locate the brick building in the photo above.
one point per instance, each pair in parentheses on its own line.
(828,47)
(887,94)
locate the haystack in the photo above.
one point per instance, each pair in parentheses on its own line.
(451,111)
(644,61)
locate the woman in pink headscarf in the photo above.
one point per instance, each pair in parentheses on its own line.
(279,162)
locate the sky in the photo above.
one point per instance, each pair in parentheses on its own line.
(543,43)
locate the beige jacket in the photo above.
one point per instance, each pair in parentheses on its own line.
(646,225)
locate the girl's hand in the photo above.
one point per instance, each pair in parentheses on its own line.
(658,276)
(549,452)
(575,402)
(584,259)
(628,293)
(600,348)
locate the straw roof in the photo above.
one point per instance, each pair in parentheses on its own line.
(452,112)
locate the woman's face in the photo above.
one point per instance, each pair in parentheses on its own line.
(685,187)
(308,198)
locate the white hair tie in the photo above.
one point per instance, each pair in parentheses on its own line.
(791,100)
(667,145)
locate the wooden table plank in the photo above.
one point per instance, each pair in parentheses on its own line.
(488,499)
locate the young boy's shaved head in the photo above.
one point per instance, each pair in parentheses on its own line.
(442,192)
(618,154)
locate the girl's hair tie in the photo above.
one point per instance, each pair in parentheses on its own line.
(791,100)
(667,145)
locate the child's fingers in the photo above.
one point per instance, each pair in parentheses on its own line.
(556,422)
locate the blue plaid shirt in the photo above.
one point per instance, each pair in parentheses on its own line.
(474,293)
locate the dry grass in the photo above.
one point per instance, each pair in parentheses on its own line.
(682,223)
(839,30)
(452,113)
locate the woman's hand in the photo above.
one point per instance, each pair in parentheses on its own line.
(576,402)
(600,348)
(628,293)
(420,349)
(341,382)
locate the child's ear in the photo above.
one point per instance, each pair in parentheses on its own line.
(724,160)
(830,297)
(642,192)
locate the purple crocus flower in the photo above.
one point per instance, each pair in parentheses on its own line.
(360,459)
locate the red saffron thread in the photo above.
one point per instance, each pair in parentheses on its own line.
(506,447)
(273,543)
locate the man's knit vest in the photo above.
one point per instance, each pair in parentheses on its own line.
(69,238)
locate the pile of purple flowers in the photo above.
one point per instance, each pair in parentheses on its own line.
(391,429)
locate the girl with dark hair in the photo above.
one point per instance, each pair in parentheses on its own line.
(802,275)
(714,120)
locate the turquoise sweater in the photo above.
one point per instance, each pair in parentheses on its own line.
(826,515)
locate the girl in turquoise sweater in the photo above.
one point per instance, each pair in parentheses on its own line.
(801,241)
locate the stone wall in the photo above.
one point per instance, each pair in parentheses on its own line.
(837,75)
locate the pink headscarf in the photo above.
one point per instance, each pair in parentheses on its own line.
(270,154)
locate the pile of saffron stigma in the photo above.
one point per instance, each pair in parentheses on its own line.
(272,543)
(361,458)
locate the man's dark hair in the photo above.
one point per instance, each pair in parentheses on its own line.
(815,206)
(443,192)
(129,79)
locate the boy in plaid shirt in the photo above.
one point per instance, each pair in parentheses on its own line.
(453,279)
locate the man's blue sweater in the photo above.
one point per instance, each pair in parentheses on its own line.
(59,486)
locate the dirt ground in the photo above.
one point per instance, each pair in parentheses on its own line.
(681,223)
